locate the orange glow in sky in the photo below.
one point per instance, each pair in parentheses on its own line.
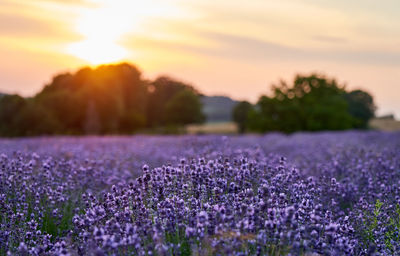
(101,28)
(235,48)
(105,23)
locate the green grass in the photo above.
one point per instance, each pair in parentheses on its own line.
(371,224)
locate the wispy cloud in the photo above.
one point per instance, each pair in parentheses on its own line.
(330,39)
(15,25)
(242,48)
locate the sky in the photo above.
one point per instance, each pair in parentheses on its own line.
(222,47)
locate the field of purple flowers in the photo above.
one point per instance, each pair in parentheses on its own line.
(304,194)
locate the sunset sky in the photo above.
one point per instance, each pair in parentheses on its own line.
(229,47)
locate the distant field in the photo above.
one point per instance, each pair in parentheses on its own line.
(223,127)
(385,124)
(231,127)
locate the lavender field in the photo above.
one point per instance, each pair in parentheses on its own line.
(304,194)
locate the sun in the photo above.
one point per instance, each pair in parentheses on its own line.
(98,52)
(102,27)
(104,23)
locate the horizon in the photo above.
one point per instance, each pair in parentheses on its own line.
(203,44)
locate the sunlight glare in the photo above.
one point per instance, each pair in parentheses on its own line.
(104,25)
(98,52)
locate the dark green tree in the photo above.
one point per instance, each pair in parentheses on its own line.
(34,119)
(240,115)
(184,108)
(161,91)
(10,107)
(312,103)
(66,107)
(115,94)
(361,107)
(106,99)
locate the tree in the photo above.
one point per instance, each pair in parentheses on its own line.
(106,99)
(161,91)
(92,123)
(131,121)
(240,115)
(114,94)
(10,107)
(65,106)
(312,103)
(184,108)
(361,107)
(34,119)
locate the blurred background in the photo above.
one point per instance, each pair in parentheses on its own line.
(172,66)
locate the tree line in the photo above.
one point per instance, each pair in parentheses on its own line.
(110,99)
(116,99)
(312,103)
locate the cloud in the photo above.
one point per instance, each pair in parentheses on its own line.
(330,39)
(36,20)
(66,2)
(243,48)
(70,2)
(12,25)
